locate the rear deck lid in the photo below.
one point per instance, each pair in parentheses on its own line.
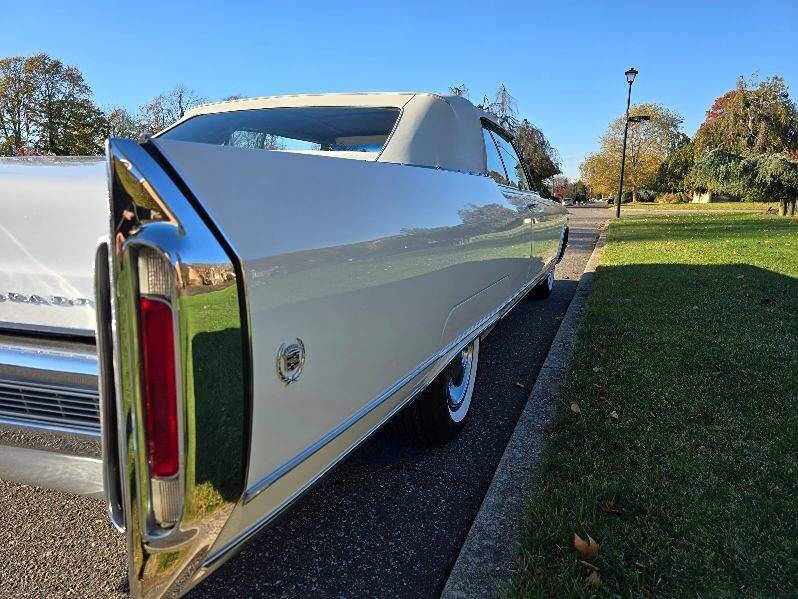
(54,210)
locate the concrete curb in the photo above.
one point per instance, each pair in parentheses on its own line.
(487,557)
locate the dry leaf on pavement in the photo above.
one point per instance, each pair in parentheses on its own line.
(586,548)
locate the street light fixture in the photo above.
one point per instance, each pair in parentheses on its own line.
(630,77)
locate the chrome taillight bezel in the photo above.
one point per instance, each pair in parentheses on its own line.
(167,519)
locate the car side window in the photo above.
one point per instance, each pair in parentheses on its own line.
(515,170)
(495,166)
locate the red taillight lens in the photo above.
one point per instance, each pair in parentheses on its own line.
(159,389)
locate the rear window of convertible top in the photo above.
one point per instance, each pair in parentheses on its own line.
(314,129)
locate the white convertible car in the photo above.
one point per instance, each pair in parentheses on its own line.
(275,279)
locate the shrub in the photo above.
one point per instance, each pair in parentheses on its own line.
(646,195)
(672,198)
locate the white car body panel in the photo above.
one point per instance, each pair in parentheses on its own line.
(53,212)
(316,268)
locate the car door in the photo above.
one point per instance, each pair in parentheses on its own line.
(552,217)
(516,189)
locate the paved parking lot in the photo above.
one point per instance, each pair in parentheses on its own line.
(387,522)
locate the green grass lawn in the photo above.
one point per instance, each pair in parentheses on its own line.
(721,206)
(682,461)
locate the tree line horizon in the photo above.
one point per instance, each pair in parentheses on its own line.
(747,146)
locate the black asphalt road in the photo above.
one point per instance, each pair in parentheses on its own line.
(388,522)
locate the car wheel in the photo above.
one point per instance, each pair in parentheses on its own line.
(441,410)
(545,287)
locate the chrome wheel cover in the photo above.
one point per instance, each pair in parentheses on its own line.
(459,378)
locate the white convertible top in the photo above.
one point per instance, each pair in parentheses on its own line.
(433,130)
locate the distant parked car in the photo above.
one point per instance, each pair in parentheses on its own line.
(568,202)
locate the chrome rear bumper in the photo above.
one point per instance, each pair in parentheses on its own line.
(70,473)
(49,414)
(47,384)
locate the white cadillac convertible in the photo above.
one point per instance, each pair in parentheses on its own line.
(275,279)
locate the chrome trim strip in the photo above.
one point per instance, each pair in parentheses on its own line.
(49,359)
(15,327)
(69,473)
(89,433)
(456,345)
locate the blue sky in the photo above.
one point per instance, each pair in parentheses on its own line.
(563,61)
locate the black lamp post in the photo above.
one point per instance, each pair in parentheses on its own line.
(630,77)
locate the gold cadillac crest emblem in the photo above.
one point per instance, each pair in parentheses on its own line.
(290,360)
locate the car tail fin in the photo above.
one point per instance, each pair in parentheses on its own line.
(173,355)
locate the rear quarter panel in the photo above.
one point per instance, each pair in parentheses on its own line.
(374,266)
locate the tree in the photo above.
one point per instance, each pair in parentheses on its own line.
(14,105)
(536,152)
(677,165)
(165,109)
(46,107)
(756,117)
(718,171)
(459,90)
(120,123)
(504,106)
(776,176)
(576,190)
(538,155)
(647,147)
(559,185)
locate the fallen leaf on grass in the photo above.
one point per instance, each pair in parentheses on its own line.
(594,579)
(609,506)
(715,372)
(575,408)
(613,417)
(639,566)
(587,565)
(521,385)
(585,548)
(597,369)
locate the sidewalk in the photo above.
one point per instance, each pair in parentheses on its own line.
(487,557)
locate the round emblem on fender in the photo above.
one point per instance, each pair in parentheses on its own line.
(290,360)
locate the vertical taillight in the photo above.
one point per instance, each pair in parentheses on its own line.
(159,384)
(159,388)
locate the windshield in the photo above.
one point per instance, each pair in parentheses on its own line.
(326,128)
